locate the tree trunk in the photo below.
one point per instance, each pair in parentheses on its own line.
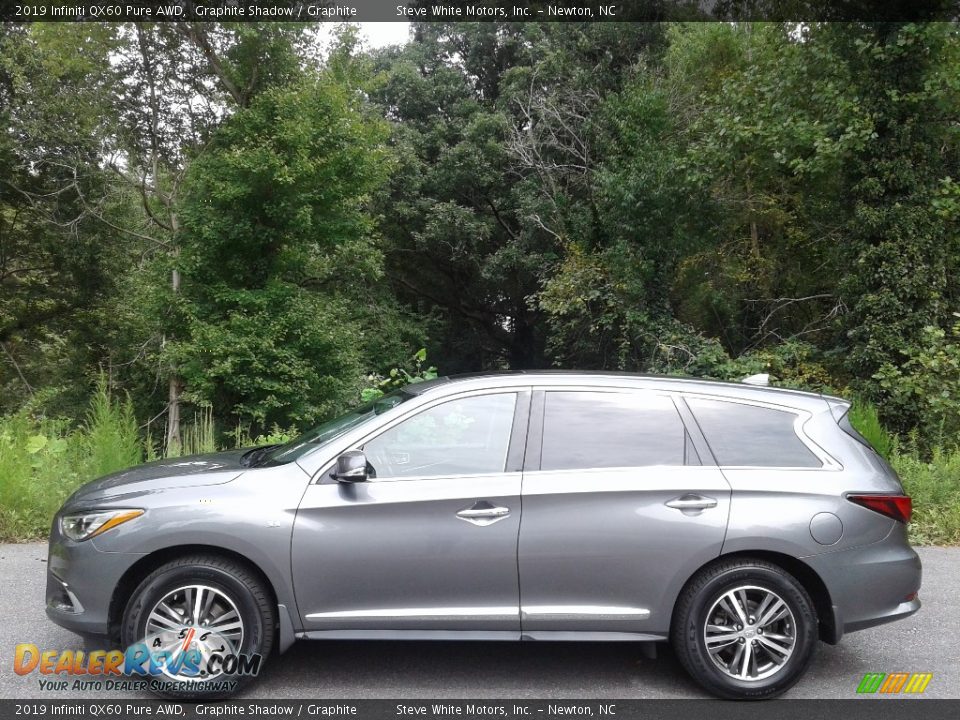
(174,441)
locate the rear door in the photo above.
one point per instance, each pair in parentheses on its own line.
(621,503)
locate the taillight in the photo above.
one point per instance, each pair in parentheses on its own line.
(898,507)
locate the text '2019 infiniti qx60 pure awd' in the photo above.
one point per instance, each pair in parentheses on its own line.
(742,524)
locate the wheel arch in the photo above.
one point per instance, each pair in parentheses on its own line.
(828,627)
(137,572)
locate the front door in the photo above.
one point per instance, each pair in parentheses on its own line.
(430,543)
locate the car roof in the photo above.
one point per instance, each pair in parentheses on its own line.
(599,378)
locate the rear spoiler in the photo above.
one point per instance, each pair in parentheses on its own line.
(838,407)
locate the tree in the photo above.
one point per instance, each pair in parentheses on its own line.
(57,262)
(901,251)
(117,114)
(279,258)
(471,214)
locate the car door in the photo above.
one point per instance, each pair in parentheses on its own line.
(429,543)
(620,505)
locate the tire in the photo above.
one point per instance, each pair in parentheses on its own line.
(234,591)
(763,672)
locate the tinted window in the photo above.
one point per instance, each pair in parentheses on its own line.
(460,437)
(750,435)
(598,430)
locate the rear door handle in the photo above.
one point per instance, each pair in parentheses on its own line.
(691,503)
(483,513)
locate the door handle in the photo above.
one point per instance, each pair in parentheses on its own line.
(483,513)
(691,503)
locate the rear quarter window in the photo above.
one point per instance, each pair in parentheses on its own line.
(751,436)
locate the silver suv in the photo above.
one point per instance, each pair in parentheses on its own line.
(739,523)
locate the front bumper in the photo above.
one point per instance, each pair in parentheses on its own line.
(81,581)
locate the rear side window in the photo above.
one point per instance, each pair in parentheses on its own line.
(751,436)
(602,430)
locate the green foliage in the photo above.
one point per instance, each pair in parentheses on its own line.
(866,420)
(278,257)
(379,385)
(110,434)
(42,461)
(493,125)
(276,436)
(762,149)
(902,250)
(199,436)
(923,393)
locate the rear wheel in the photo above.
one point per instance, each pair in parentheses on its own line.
(744,629)
(195,608)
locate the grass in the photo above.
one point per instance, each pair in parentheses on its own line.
(934,485)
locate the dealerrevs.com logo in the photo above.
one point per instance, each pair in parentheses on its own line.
(193,661)
(894,683)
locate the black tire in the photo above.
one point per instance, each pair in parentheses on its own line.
(690,619)
(237,581)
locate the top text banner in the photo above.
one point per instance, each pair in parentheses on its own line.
(478,11)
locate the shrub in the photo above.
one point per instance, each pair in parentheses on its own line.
(42,461)
(923,393)
(934,486)
(866,420)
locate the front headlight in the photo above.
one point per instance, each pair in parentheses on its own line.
(82,526)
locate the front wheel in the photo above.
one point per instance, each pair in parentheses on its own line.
(744,629)
(202,620)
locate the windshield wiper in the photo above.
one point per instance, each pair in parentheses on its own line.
(252,457)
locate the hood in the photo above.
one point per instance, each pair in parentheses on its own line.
(190,470)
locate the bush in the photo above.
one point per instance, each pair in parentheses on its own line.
(923,393)
(42,461)
(379,385)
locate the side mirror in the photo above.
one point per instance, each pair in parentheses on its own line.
(351,467)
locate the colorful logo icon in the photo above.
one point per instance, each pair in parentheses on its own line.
(892,683)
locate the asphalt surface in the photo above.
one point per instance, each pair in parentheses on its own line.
(927,642)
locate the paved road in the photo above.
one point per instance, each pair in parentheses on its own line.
(927,642)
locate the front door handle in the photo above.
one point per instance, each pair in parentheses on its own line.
(483,513)
(691,503)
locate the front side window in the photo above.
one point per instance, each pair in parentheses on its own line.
(604,430)
(467,436)
(751,436)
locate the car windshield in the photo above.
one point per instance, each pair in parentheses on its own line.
(325,432)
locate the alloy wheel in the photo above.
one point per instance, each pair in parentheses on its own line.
(750,633)
(194,617)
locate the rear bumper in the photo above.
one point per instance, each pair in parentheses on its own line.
(903,610)
(871,585)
